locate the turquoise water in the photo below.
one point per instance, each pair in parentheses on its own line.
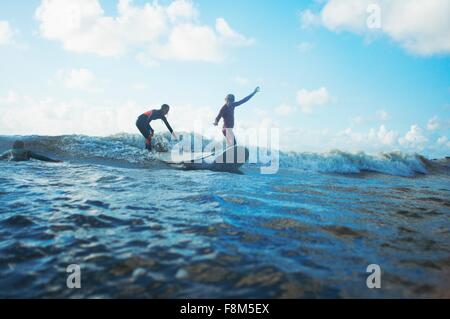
(141,229)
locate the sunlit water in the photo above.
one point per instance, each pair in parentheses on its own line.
(158,232)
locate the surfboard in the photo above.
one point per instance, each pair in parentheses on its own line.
(230,159)
(174,158)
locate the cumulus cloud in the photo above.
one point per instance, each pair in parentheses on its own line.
(436,124)
(189,42)
(384,136)
(309,19)
(10,98)
(284,110)
(375,138)
(433,124)
(75,116)
(442,140)
(147,60)
(52,116)
(379,116)
(79,79)
(308,100)
(421,27)
(6,33)
(230,36)
(181,10)
(82,26)
(382,115)
(166,32)
(414,138)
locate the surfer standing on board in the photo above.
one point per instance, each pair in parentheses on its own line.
(227,113)
(143,124)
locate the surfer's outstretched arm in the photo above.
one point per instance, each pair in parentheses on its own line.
(245,100)
(43,158)
(169,127)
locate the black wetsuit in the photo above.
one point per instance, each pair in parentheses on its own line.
(143,124)
(20,155)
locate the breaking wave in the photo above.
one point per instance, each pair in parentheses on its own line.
(128,149)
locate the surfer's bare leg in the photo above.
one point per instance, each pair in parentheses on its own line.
(229,135)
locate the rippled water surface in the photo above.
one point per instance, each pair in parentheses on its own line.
(171,233)
(140,229)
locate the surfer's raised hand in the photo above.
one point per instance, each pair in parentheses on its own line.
(258,89)
(215,123)
(175,137)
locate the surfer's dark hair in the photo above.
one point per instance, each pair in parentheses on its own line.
(230,97)
(18,144)
(165,108)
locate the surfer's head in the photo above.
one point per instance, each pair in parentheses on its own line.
(165,109)
(18,145)
(229,99)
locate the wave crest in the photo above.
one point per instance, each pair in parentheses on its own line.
(129,148)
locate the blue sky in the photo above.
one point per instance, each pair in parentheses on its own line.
(328,81)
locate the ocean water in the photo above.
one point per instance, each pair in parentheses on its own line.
(141,229)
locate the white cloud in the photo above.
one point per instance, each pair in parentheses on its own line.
(58,117)
(140,86)
(438,124)
(421,27)
(181,10)
(189,42)
(83,27)
(414,138)
(305,46)
(284,110)
(228,35)
(376,138)
(308,100)
(146,59)
(192,42)
(433,124)
(10,98)
(345,15)
(309,19)
(385,136)
(379,116)
(442,140)
(358,120)
(382,115)
(75,116)
(241,80)
(79,79)
(166,32)
(6,33)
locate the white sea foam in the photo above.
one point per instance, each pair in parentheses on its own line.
(130,148)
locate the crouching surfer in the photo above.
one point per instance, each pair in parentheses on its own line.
(19,153)
(227,113)
(143,124)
